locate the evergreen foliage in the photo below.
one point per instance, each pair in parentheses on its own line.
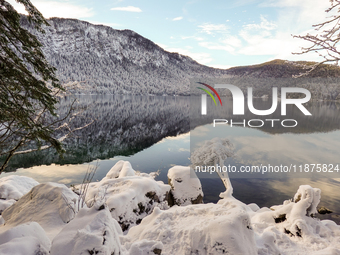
(28,84)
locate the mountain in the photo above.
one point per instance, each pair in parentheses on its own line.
(115,61)
(284,69)
(96,59)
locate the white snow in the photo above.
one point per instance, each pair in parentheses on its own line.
(120,169)
(90,231)
(186,188)
(129,197)
(296,232)
(12,188)
(129,215)
(52,205)
(199,229)
(28,238)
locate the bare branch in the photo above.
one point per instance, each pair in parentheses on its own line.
(324,42)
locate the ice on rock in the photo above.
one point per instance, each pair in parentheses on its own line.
(129,197)
(52,205)
(28,238)
(186,188)
(12,188)
(198,229)
(92,231)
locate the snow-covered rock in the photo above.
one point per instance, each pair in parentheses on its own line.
(186,188)
(129,197)
(120,169)
(290,228)
(28,238)
(146,247)
(198,229)
(52,205)
(90,232)
(12,188)
(125,198)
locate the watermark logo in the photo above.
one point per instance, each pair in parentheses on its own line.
(204,97)
(238,99)
(239,104)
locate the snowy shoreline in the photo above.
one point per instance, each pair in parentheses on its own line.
(129,212)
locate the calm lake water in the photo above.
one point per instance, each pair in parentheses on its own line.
(153,133)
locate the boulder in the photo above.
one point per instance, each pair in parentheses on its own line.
(198,229)
(12,188)
(92,231)
(52,205)
(28,238)
(186,188)
(129,196)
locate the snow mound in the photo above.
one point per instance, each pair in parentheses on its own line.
(146,247)
(186,188)
(198,229)
(27,238)
(52,205)
(12,188)
(290,228)
(120,169)
(90,232)
(129,197)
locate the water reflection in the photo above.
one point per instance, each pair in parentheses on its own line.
(254,147)
(325,115)
(124,125)
(160,157)
(148,130)
(315,140)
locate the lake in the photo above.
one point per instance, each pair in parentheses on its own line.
(154,133)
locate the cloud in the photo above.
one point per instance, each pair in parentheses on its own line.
(210,29)
(56,9)
(271,37)
(177,18)
(304,11)
(217,46)
(265,24)
(228,43)
(127,9)
(197,38)
(275,38)
(201,57)
(260,39)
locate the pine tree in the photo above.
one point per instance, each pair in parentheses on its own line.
(27,84)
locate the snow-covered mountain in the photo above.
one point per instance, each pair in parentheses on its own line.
(115,61)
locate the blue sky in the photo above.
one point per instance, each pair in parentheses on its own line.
(215,33)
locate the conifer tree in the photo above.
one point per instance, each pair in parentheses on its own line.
(27,84)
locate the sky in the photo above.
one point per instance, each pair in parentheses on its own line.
(217,33)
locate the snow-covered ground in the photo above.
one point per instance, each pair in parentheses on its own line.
(130,213)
